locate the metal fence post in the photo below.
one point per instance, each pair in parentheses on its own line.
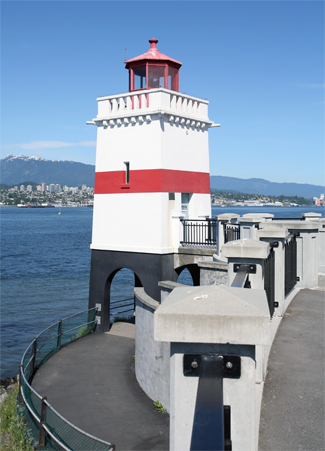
(34,356)
(20,393)
(58,345)
(42,432)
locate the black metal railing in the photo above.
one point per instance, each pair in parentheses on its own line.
(212,420)
(269,272)
(48,429)
(242,272)
(231,232)
(290,264)
(288,219)
(123,306)
(199,232)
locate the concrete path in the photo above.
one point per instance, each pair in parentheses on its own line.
(292,416)
(92,384)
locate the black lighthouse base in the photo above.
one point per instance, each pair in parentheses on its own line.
(149,269)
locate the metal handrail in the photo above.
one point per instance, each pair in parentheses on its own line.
(25,386)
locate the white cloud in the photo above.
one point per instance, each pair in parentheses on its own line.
(43,145)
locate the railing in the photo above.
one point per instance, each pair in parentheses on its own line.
(48,428)
(288,219)
(199,232)
(269,271)
(231,232)
(118,307)
(212,420)
(141,100)
(186,104)
(290,264)
(242,271)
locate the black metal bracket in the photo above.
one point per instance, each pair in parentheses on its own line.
(231,366)
(276,304)
(251,268)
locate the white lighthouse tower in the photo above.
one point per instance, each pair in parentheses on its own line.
(152,168)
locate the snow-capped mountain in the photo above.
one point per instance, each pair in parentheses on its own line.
(16,169)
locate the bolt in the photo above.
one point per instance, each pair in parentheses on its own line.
(194,364)
(229,365)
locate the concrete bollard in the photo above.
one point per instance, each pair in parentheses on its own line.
(316,217)
(249,226)
(307,249)
(247,251)
(215,320)
(222,220)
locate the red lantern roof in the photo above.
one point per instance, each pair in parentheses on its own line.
(152,54)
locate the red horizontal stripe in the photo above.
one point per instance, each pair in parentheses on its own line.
(152,181)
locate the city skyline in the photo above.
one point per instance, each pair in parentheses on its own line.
(260,65)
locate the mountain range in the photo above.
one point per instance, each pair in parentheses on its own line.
(264,187)
(15,170)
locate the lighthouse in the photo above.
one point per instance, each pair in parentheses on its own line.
(152,169)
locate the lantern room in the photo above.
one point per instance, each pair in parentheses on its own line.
(153,70)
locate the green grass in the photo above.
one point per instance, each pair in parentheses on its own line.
(13,436)
(158,406)
(83,331)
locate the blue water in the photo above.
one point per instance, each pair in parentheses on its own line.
(45,261)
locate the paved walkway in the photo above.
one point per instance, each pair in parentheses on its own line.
(92,383)
(292,416)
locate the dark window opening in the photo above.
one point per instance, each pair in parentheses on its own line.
(127,172)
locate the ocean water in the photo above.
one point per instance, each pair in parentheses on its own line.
(45,268)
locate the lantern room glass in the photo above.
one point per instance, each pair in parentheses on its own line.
(139,77)
(172,78)
(156,77)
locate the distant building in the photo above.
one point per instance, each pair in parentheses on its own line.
(39,188)
(43,187)
(57,188)
(319,201)
(84,187)
(29,188)
(52,188)
(22,188)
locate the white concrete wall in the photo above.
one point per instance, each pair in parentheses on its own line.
(152,359)
(163,135)
(141,222)
(136,222)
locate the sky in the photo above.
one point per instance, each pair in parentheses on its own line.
(259,63)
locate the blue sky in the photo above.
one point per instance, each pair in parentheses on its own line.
(259,63)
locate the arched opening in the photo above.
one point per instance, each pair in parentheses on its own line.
(188,275)
(185,277)
(120,292)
